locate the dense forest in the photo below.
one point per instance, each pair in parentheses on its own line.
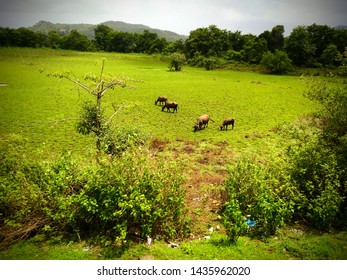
(306,46)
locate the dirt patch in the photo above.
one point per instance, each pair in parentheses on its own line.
(205,172)
(158,145)
(188,149)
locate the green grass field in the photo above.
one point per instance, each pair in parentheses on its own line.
(34,105)
(38,113)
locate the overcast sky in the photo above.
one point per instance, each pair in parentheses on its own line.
(180,16)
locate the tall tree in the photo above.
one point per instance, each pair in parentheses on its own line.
(122,42)
(275,38)
(76,41)
(210,41)
(102,36)
(331,56)
(254,49)
(236,40)
(320,36)
(145,41)
(299,47)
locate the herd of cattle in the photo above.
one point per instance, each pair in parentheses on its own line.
(201,122)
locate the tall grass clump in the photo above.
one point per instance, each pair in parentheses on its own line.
(123,199)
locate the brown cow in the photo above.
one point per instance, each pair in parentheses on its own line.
(202,122)
(161,99)
(226,122)
(169,105)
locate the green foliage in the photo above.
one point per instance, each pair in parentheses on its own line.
(212,63)
(209,63)
(92,119)
(120,139)
(102,36)
(330,56)
(305,46)
(334,108)
(110,202)
(261,192)
(177,60)
(254,49)
(308,185)
(300,48)
(315,172)
(76,41)
(305,190)
(343,66)
(277,63)
(210,41)
(274,38)
(233,219)
(319,166)
(89,118)
(232,55)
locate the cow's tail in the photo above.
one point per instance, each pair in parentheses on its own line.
(211,120)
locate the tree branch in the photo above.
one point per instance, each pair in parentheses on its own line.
(77,82)
(113,115)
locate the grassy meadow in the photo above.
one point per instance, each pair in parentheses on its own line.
(41,109)
(38,114)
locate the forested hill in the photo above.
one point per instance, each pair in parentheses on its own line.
(88,29)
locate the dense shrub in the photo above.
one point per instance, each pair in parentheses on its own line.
(109,202)
(119,139)
(277,63)
(307,184)
(211,63)
(315,172)
(261,192)
(333,112)
(177,60)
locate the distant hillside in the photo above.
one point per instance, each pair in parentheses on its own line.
(88,29)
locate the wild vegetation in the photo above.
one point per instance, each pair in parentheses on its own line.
(283,164)
(210,47)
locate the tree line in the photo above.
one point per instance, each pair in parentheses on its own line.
(306,46)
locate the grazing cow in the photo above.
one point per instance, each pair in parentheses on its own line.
(169,105)
(201,122)
(161,100)
(226,122)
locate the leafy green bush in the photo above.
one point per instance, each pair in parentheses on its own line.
(260,191)
(211,63)
(111,201)
(277,63)
(307,185)
(233,219)
(120,139)
(177,60)
(315,172)
(232,55)
(333,113)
